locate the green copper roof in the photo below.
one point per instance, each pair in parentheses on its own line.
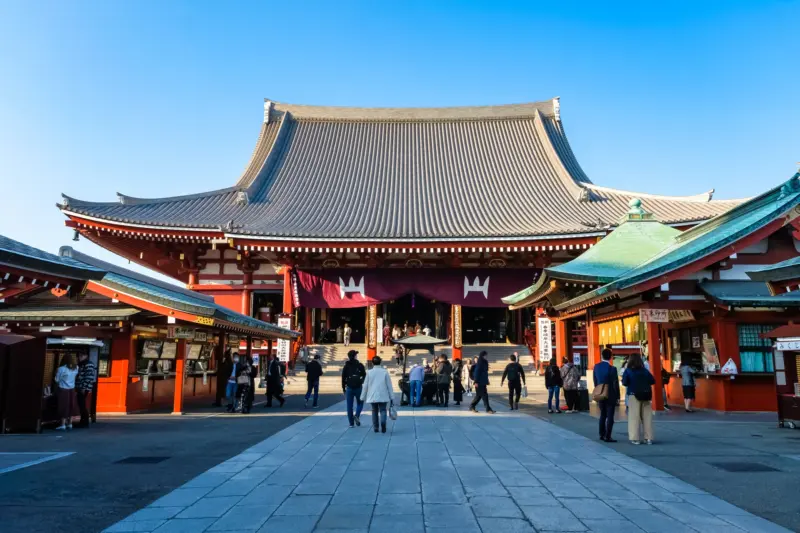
(789,269)
(519,299)
(742,293)
(704,239)
(636,240)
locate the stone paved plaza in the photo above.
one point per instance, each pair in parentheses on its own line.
(437,470)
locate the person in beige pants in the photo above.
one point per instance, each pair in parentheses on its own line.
(639,383)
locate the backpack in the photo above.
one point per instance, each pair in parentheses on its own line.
(641,388)
(513,372)
(354,380)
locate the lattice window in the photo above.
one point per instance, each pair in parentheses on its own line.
(755,352)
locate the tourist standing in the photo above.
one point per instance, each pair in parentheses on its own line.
(570,376)
(250,393)
(638,382)
(426,330)
(516,377)
(230,386)
(458,386)
(396,332)
(387,335)
(353,375)
(313,373)
(553,381)
(481,379)
(444,371)
(274,381)
(348,331)
(223,373)
(416,376)
(605,374)
(65,380)
(688,384)
(665,377)
(377,391)
(469,370)
(84,384)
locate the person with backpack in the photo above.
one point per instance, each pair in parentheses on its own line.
(639,382)
(570,377)
(313,373)
(553,382)
(353,375)
(516,377)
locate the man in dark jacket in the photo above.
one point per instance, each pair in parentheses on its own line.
(444,371)
(516,377)
(606,374)
(274,381)
(481,380)
(84,384)
(313,373)
(353,375)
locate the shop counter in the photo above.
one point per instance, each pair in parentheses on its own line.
(726,392)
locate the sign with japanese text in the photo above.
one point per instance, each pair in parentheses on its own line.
(545,329)
(372,324)
(653,315)
(456,326)
(284,345)
(180,332)
(788,345)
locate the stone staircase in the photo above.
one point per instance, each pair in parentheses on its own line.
(334,356)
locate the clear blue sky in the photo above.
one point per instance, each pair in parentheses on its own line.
(155,98)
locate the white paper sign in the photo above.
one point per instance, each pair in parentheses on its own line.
(729,368)
(576,359)
(654,315)
(284,345)
(780,378)
(145,383)
(545,343)
(788,345)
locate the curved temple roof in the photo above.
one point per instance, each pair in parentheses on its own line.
(395,174)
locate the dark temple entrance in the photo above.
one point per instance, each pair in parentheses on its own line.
(356,317)
(483,324)
(413,308)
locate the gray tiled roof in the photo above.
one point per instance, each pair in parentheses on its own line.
(20,255)
(406,174)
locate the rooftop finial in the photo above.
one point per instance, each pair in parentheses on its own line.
(636,211)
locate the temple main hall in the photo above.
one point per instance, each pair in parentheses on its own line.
(373,216)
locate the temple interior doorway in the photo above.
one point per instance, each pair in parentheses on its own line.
(412,309)
(356,317)
(483,324)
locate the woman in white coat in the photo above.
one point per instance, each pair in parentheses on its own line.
(377,390)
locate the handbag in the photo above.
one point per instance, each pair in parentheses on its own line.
(524,391)
(243,379)
(392,411)
(600,393)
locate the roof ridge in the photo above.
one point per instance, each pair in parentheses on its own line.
(399,114)
(575,187)
(272,156)
(703,197)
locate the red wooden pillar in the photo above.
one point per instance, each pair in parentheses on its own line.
(561,340)
(654,354)
(288,301)
(726,337)
(180,356)
(455,328)
(247,302)
(593,341)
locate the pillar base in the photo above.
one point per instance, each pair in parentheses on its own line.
(457,353)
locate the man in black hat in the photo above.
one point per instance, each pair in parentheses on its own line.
(313,373)
(353,376)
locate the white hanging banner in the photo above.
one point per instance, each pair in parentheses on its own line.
(544,338)
(284,345)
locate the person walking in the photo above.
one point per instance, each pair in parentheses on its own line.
(458,386)
(353,375)
(481,379)
(313,373)
(444,372)
(231,386)
(638,382)
(250,392)
(67,401)
(469,372)
(688,384)
(84,384)
(416,376)
(348,331)
(377,391)
(274,381)
(605,377)
(570,376)
(516,377)
(553,382)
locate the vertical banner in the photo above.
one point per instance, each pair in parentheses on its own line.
(544,338)
(457,343)
(284,345)
(372,326)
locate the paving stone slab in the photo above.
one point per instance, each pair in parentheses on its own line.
(397,524)
(346,516)
(303,506)
(553,519)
